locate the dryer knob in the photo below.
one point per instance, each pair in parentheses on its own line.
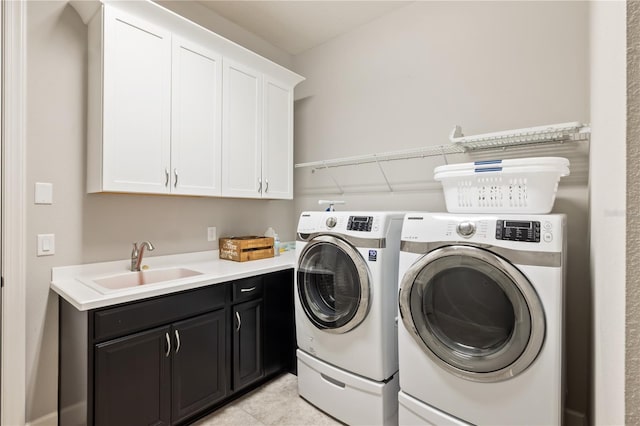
(466,229)
(331,222)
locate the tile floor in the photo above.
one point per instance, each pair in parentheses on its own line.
(276,403)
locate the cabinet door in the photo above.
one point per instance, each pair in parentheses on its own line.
(132,380)
(247,343)
(196,119)
(279,323)
(137,90)
(241,131)
(199,378)
(277,145)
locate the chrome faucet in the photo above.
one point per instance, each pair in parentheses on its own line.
(136,254)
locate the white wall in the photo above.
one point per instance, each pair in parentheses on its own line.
(203,16)
(98,227)
(607,204)
(403,81)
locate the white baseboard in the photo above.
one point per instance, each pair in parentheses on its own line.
(574,418)
(50,419)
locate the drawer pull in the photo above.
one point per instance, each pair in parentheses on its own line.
(168,344)
(332,381)
(239,321)
(177,340)
(247,290)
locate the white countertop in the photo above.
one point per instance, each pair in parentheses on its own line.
(70,281)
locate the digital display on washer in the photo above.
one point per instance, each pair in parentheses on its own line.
(511,230)
(522,225)
(360,223)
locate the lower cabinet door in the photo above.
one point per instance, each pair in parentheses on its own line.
(279,323)
(247,343)
(132,380)
(199,378)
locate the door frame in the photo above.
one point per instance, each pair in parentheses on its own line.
(13,356)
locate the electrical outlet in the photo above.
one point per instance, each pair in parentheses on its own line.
(211,233)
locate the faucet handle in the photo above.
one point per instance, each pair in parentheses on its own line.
(134,252)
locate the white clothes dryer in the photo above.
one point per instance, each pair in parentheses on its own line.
(481,302)
(346,307)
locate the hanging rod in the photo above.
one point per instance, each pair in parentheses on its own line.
(460,144)
(429,151)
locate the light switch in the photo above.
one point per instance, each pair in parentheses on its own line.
(46,244)
(44,193)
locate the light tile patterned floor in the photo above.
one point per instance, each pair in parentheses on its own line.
(276,403)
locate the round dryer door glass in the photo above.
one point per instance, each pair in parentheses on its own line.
(333,284)
(473,312)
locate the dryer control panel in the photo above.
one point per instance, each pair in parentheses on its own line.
(518,230)
(360,223)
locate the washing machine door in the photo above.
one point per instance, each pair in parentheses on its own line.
(333,284)
(475,314)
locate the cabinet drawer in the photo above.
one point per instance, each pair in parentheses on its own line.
(121,320)
(247,289)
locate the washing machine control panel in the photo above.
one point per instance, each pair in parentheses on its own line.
(360,223)
(518,230)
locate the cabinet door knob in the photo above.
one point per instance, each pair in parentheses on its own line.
(168,344)
(239,321)
(166,177)
(177,340)
(175,172)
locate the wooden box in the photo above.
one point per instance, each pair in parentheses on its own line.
(242,249)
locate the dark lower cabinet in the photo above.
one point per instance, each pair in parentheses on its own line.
(247,343)
(198,378)
(170,359)
(279,323)
(132,380)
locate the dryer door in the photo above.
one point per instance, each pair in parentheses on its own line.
(475,314)
(333,284)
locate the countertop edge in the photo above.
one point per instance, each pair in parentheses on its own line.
(84,298)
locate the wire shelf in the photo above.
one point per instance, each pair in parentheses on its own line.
(460,144)
(555,133)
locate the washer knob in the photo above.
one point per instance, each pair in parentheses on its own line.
(331,222)
(466,229)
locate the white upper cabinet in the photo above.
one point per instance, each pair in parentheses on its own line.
(136,106)
(176,109)
(196,119)
(277,140)
(257,147)
(242,131)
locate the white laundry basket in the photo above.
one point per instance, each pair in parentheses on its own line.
(523,185)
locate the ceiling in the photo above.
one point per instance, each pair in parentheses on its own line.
(296,26)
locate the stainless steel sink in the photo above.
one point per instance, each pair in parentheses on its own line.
(134,279)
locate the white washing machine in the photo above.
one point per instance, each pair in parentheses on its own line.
(346,308)
(481,333)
